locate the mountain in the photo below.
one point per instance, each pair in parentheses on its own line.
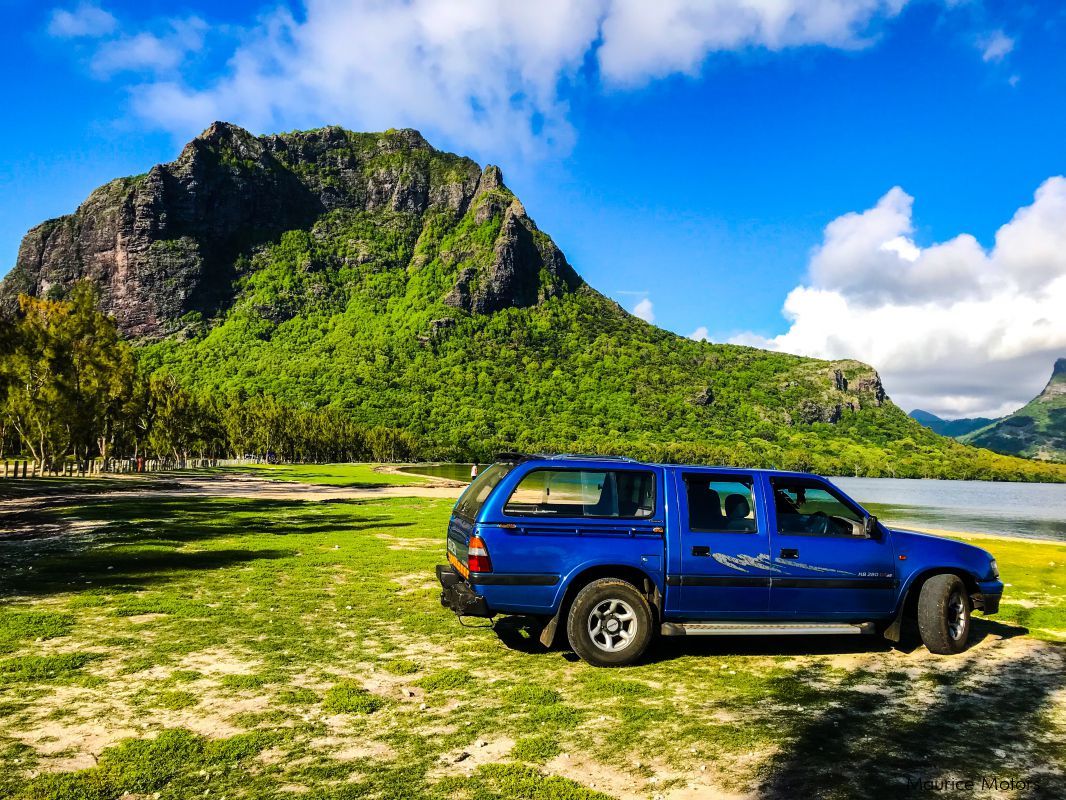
(950,427)
(1037,429)
(168,248)
(373,273)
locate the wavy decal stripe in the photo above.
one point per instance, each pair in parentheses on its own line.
(744,562)
(788,562)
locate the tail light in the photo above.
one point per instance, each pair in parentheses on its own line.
(477,555)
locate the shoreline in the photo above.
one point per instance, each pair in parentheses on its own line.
(946,533)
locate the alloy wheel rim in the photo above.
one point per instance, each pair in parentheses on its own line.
(612,624)
(957,614)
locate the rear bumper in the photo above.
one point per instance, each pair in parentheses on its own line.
(458,596)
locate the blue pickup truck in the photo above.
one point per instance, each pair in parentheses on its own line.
(618,551)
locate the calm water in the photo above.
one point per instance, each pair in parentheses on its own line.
(1026,510)
(1008,509)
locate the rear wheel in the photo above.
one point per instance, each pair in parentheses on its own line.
(944,614)
(609,624)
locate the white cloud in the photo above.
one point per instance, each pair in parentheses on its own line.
(701,334)
(953,328)
(644,40)
(995,46)
(645,309)
(85,19)
(151,52)
(485,74)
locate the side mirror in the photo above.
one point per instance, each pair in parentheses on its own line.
(870,527)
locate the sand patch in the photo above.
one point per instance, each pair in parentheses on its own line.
(217,662)
(467,759)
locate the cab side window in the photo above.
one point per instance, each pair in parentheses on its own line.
(624,494)
(810,508)
(720,503)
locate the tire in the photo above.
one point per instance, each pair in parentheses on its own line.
(944,614)
(609,623)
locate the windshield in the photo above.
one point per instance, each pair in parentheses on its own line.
(477,493)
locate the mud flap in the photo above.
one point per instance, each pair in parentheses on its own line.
(547,633)
(893,632)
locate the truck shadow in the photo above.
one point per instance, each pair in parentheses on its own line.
(988,721)
(521,634)
(890,726)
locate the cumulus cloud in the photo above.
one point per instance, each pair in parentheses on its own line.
(954,328)
(643,40)
(645,309)
(995,46)
(154,52)
(479,72)
(85,19)
(701,334)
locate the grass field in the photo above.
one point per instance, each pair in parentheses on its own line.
(176,647)
(359,475)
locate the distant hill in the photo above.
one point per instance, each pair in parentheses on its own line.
(372,273)
(1037,429)
(950,427)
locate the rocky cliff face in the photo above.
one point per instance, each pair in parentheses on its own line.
(166,245)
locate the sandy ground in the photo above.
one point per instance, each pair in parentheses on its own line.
(75,741)
(21,517)
(243,486)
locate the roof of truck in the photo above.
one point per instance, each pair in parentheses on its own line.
(578,458)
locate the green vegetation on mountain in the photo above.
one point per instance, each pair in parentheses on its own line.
(375,277)
(950,427)
(1037,429)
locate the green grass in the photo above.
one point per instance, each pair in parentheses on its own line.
(349,697)
(354,475)
(1035,578)
(269,648)
(17,627)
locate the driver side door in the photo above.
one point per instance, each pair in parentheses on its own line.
(824,565)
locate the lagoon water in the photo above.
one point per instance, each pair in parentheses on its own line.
(1025,510)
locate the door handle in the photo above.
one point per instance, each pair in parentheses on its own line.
(700,550)
(790,552)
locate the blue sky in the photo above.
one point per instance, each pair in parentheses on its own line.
(690,162)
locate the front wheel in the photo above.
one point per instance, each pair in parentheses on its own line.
(944,614)
(609,624)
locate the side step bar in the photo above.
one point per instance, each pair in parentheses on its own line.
(764,628)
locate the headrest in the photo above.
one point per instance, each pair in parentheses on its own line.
(736,506)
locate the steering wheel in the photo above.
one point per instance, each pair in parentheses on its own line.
(819,523)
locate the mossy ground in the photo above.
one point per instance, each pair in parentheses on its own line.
(175,647)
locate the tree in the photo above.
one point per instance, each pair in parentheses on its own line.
(66,377)
(7,344)
(36,371)
(103,374)
(173,418)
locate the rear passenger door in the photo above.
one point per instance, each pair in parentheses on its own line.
(722,565)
